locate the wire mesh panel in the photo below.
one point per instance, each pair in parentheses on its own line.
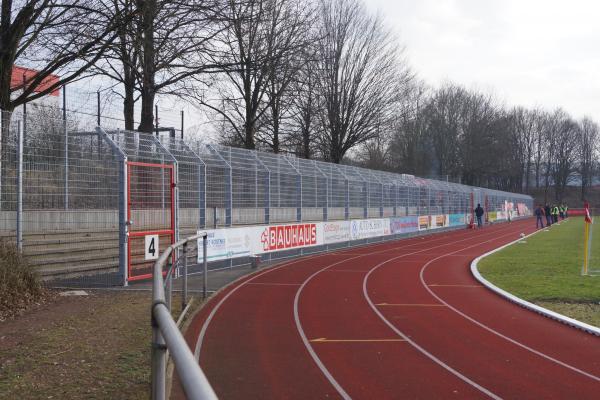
(250,183)
(375,191)
(284,187)
(90,198)
(151,213)
(314,189)
(337,190)
(191,179)
(68,198)
(218,185)
(358,191)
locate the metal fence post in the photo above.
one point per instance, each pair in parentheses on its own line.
(66,147)
(326,208)
(365,200)
(98,114)
(267,216)
(202,196)
(159,363)
(396,188)
(381,202)
(20,188)
(229,196)
(346,199)
(205,266)
(185,278)
(170,271)
(123,205)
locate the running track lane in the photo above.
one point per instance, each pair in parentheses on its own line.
(401,319)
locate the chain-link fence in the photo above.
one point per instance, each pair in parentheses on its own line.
(81,200)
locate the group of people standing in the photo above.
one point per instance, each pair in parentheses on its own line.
(552,214)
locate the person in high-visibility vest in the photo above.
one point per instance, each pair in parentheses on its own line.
(566,211)
(561,211)
(554,213)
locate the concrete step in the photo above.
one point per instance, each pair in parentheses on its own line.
(71,271)
(78,259)
(37,252)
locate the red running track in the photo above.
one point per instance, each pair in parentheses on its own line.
(402,319)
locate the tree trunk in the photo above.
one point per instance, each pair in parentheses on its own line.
(147,113)
(148,12)
(249,130)
(128,107)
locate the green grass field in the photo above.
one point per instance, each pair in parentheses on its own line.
(546,270)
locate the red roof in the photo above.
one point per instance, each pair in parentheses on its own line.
(20,74)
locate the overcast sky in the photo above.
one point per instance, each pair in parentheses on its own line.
(527,52)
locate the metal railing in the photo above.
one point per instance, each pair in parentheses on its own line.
(166,334)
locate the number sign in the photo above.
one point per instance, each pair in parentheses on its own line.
(151,247)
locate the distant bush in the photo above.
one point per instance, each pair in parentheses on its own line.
(20,285)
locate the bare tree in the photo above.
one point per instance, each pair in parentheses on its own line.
(60,40)
(121,62)
(259,43)
(588,145)
(444,113)
(549,143)
(410,143)
(565,154)
(540,148)
(523,129)
(361,73)
(305,103)
(158,51)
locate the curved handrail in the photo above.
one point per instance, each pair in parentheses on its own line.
(166,335)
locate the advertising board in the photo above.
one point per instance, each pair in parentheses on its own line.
(423,222)
(336,231)
(239,242)
(437,221)
(457,219)
(367,228)
(404,224)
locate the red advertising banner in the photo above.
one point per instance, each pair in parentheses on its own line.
(288,236)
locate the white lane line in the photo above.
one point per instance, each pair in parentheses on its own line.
(325,340)
(273,284)
(489,329)
(206,324)
(305,339)
(412,342)
(208,320)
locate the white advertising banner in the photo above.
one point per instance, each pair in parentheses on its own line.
(336,231)
(239,242)
(245,241)
(368,228)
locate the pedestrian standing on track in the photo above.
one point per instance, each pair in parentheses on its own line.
(539,213)
(561,211)
(566,211)
(479,214)
(548,214)
(554,214)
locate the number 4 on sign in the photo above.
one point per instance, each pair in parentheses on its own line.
(151,247)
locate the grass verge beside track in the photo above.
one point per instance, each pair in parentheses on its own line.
(76,347)
(546,270)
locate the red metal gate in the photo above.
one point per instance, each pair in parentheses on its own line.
(151,213)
